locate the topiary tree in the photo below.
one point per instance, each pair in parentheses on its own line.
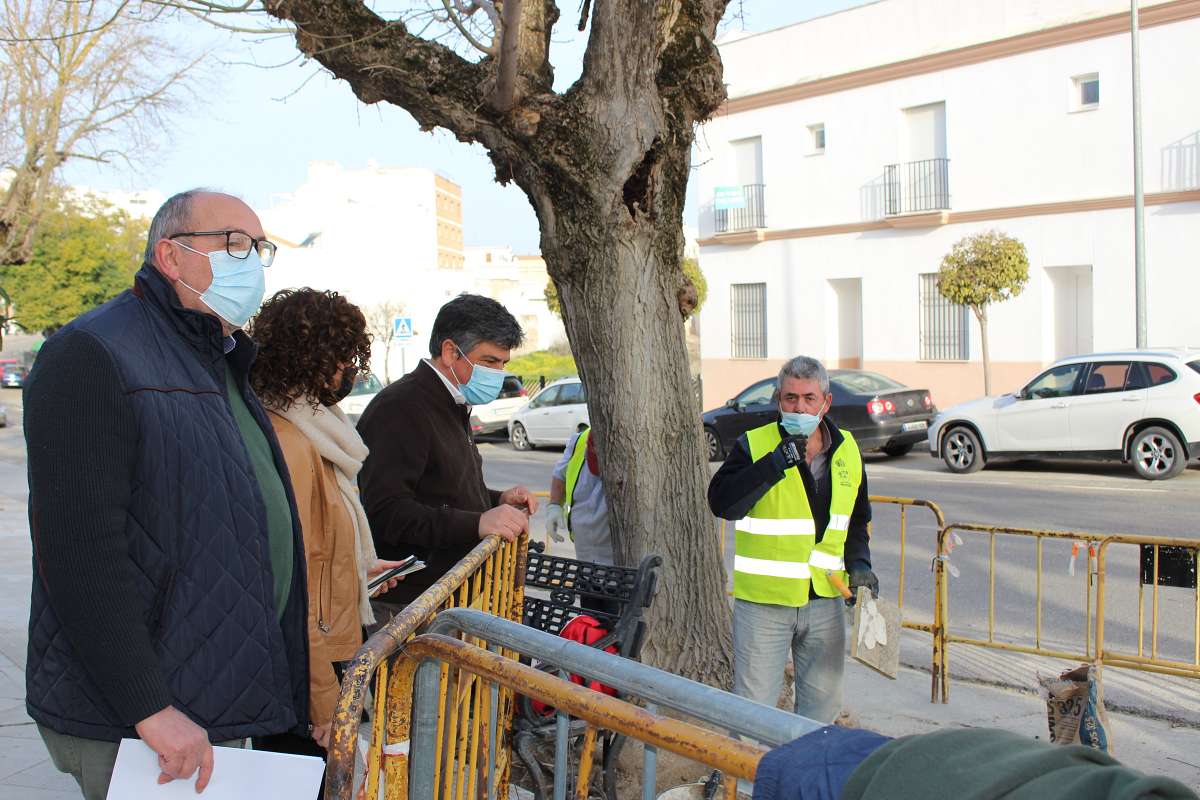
(980,270)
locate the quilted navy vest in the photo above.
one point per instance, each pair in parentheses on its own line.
(197,531)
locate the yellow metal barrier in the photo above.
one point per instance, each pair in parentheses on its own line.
(936,626)
(1094,582)
(946,539)
(490,578)
(1153,662)
(735,758)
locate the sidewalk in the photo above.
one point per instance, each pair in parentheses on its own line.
(902,707)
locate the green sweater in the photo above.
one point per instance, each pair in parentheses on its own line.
(279,513)
(980,764)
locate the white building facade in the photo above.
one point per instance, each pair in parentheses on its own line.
(855,149)
(385,237)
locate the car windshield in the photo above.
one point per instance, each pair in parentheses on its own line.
(1195,365)
(571,394)
(1054,382)
(366,384)
(864,382)
(759,393)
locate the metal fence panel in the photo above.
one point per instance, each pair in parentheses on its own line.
(752,216)
(945,326)
(918,186)
(749,317)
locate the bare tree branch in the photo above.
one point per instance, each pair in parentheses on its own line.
(80,82)
(510,41)
(453,14)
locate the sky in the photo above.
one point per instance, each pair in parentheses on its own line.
(256,122)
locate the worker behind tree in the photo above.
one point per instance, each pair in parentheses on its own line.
(797,491)
(579,507)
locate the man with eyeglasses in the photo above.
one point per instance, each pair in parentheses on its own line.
(168,594)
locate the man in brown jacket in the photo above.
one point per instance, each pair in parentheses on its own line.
(422,484)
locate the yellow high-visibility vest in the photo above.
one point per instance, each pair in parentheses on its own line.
(574,467)
(777,556)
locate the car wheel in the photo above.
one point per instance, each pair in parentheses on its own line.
(1157,454)
(712,443)
(519,438)
(961,451)
(897,450)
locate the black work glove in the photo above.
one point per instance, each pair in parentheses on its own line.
(862,577)
(789,452)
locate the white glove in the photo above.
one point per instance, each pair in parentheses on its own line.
(555,519)
(872,628)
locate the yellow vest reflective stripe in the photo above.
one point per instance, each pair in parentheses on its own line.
(574,467)
(777,557)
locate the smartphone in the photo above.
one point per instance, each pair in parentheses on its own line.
(409,566)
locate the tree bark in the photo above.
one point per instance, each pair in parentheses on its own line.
(981,315)
(605,166)
(623,321)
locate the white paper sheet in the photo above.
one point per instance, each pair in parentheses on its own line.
(237,775)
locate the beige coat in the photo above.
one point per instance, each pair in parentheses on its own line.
(334,624)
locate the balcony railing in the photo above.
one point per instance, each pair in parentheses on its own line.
(751,215)
(918,186)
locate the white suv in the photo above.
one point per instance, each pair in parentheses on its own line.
(1139,406)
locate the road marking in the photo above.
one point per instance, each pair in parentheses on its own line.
(968,482)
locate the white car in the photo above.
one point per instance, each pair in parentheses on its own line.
(551,417)
(366,386)
(1140,406)
(494,416)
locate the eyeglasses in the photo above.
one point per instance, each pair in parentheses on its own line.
(239,244)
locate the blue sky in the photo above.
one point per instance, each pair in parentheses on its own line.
(252,130)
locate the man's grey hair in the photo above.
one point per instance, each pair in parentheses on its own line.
(174,216)
(470,319)
(805,368)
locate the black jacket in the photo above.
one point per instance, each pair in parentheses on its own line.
(422,484)
(741,482)
(152,577)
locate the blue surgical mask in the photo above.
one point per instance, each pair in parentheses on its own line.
(798,424)
(237,288)
(485,383)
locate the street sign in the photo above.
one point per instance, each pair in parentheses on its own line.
(402,330)
(729,197)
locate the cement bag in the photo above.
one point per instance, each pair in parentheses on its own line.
(1075,709)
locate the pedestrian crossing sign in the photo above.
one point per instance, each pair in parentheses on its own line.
(402,329)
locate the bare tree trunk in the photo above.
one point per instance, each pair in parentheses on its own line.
(981,315)
(624,325)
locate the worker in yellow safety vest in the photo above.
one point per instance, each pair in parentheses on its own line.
(579,507)
(797,491)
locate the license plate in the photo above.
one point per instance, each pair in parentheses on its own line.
(914,426)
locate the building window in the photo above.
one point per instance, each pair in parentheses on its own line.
(944,325)
(749,319)
(817,136)
(1085,92)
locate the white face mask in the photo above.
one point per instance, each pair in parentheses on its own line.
(237,288)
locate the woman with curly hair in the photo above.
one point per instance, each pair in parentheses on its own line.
(311,346)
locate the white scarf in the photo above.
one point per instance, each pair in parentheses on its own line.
(339,443)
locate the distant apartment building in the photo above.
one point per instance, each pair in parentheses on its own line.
(856,148)
(393,236)
(381,236)
(519,283)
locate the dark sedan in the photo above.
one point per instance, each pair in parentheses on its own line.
(881,413)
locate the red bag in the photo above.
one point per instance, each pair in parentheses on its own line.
(587,630)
